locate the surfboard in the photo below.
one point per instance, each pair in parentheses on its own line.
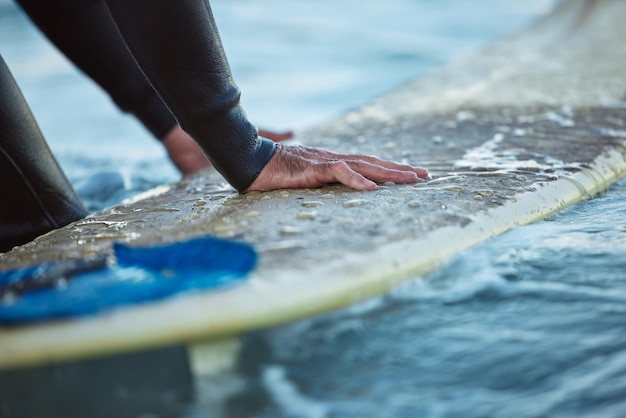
(511,134)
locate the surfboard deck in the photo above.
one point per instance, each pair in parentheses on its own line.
(511,134)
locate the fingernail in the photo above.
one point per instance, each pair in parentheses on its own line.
(413,175)
(370,185)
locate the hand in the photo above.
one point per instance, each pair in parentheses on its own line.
(184,152)
(276,136)
(304,167)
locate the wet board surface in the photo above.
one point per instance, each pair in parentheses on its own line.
(520,130)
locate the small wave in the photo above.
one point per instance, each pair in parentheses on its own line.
(492,283)
(287,396)
(107,188)
(444,291)
(548,260)
(101,186)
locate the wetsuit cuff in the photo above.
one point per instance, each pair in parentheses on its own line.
(230,141)
(249,168)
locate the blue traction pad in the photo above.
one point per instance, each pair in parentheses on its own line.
(134,275)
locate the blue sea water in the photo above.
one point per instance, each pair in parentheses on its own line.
(528,324)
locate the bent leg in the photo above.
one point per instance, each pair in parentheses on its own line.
(35,194)
(84,32)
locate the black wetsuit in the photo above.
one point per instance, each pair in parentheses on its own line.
(35,196)
(86,34)
(178,49)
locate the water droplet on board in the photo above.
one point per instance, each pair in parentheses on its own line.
(519,177)
(283,195)
(454,189)
(224,232)
(384,192)
(285,245)
(353,203)
(290,230)
(484,192)
(224,229)
(327,196)
(165,209)
(307,215)
(217,197)
(199,203)
(441,204)
(478,197)
(414,204)
(311,204)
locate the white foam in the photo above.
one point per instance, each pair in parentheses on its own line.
(286,395)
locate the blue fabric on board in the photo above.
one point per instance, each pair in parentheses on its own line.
(140,274)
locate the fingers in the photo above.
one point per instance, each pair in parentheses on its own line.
(276,136)
(358,175)
(303,167)
(409,171)
(341,172)
(381,173)
(322,154)
(392,165)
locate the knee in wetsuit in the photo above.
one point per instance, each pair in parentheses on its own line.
(35,194)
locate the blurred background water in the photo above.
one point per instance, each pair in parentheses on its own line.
(529,324)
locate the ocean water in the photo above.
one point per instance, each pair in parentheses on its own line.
(528,324)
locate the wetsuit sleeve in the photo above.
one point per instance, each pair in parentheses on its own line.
(177,45)
(84,31)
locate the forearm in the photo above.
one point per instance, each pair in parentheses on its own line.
(177,45)
(85,33)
